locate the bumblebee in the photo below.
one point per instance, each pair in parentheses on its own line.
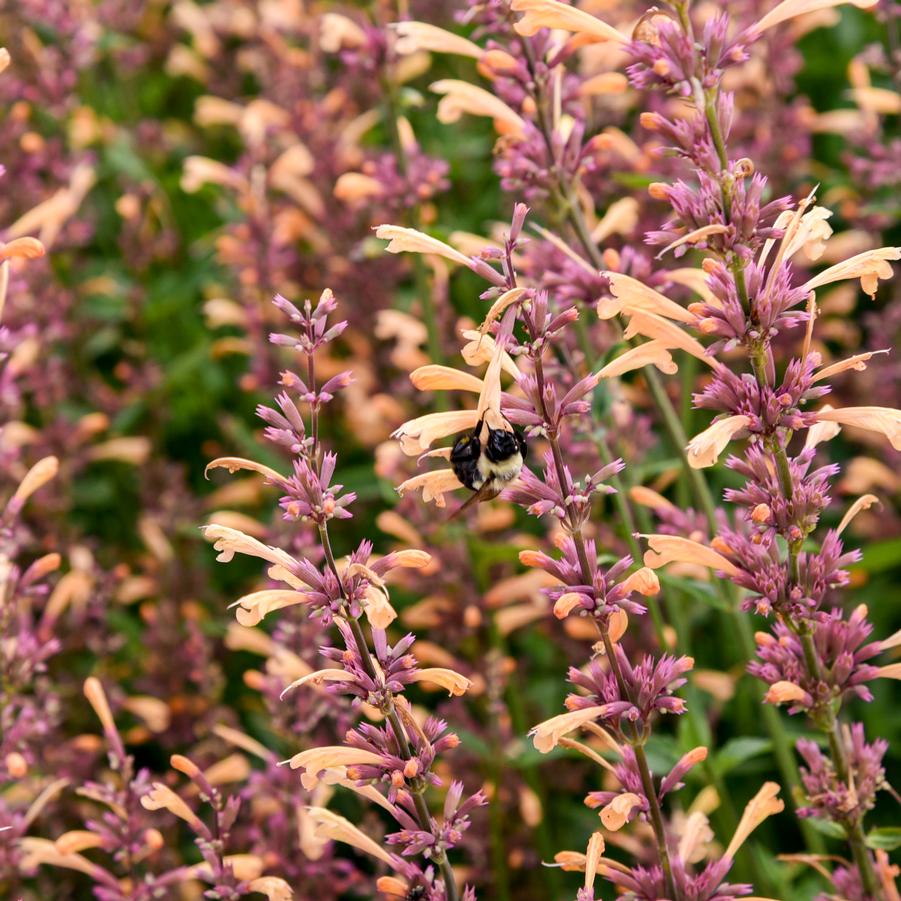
(487,467)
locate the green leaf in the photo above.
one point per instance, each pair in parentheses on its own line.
(885,838)
(738,750)
(827,827)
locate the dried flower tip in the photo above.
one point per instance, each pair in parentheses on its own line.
(743,168)
(659,190)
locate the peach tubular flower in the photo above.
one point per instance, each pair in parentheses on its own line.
(644,581)
(651,353)
(409,240)
(233,464)
(630,294)
(231,541)
(329,825)
(161,797)
(460,97)
(22,248)
(764,804)
(39,475)
(418,435)
(316,760)
(858,362)
(480,349)
(201,170)
(93,691)
(273,887)
(538,14)
(802,230)
(355,187)
(790,9)
(507,299)
(784,692)
(254,607)
(884,420)
(444,378)
(77,840)
(593,856)
(411,37)
(664,549)
(337,31)
(862,503)
(433,485)
(38,851)
(547,735)
(622,215)
(455,684)
(318,677)
(658,328)
(377,607)
(705,448)
(616,814)
(869,267)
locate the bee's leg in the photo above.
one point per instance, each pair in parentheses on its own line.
(477,431)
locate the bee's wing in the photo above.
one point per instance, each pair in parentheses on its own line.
(485,493)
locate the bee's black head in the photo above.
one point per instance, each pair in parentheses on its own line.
(502,445)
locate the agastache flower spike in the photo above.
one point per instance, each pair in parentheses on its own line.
(814,660)
(392,763)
